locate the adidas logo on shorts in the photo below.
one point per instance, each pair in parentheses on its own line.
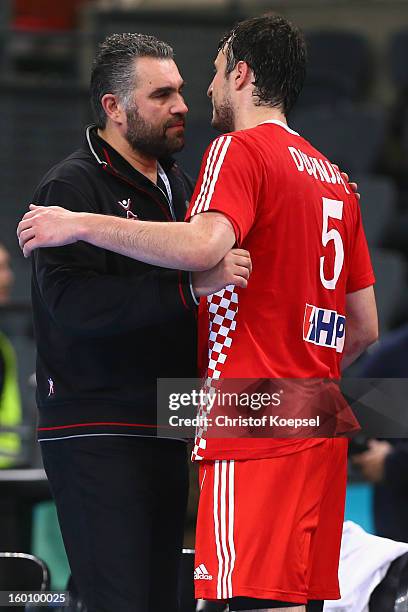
(201,573)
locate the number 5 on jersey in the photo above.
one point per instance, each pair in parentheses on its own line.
(333,209)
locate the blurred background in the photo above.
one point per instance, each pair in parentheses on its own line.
(353,107)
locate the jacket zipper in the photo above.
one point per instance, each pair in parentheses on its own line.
(173,216)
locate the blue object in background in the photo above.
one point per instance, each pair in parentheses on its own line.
(48,545)
(359,504)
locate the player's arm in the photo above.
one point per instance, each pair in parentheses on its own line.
(84,298)
(194,246)
(362,324)
(221,213)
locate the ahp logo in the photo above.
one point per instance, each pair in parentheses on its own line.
(324,327)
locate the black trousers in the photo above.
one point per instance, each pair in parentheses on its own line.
(121,505)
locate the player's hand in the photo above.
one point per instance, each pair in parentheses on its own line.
(354,186)
(372,461)
(46,226)
(234,269)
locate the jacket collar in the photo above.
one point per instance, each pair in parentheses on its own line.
(107,156)
(112,162)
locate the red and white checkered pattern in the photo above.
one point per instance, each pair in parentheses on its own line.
(222,309)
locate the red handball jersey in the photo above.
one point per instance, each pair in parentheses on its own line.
(291,209)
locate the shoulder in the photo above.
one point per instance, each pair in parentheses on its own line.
(76,178)
(236,147)
(79,171)
(77,165)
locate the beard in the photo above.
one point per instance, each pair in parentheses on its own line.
(153,140)
(223,117)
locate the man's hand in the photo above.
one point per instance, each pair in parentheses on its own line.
(372,461)
(47,226)
(354,186)
(234,269)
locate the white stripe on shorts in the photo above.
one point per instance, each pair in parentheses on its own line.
(231,508)
(217,528)
(224,526)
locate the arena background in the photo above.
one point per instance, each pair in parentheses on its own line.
(354,108)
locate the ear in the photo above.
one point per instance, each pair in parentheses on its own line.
(113,109)
(242,75)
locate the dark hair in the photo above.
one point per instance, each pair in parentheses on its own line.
(113,68)
(275,50)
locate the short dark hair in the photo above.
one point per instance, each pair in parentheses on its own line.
(275,50)
(113,67)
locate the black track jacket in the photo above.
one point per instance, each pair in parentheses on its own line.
(107,326)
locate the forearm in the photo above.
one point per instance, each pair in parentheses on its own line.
(362,324)
(351,352)
(180,246)
(354,345)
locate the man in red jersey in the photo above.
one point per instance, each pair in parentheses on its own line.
(271,510)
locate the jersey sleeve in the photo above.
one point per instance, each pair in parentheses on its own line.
(229,183)
(361,273)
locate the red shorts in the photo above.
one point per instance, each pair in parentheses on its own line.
(271,528)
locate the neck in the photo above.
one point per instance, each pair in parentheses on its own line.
(246,118)
(143,163)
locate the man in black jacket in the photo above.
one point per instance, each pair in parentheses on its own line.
(107,327)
